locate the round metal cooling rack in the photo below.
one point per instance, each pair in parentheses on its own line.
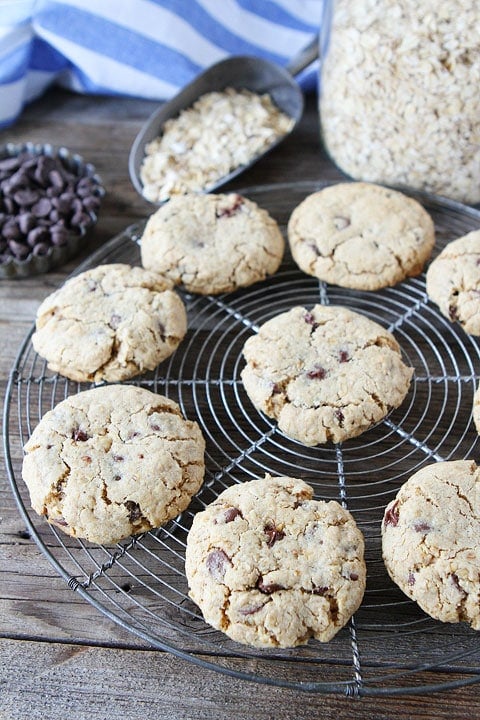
(140,583)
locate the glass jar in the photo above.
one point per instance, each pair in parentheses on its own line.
(399,96)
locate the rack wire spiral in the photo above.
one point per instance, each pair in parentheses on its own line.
(140,583)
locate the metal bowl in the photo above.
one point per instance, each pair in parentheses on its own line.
(56,255)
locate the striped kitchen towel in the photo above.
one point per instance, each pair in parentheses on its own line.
(138,48)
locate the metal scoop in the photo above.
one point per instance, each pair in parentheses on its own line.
(239,72)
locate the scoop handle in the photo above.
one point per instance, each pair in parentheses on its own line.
(304,58)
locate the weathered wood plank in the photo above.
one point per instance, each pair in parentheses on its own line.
(56,681)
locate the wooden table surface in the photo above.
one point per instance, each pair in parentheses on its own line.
(60,657)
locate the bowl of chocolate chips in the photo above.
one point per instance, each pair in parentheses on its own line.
(49,198)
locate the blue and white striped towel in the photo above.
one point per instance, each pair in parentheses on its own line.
(138,48)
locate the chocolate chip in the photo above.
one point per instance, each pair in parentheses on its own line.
(134,511)
(268,588)
(41,248)
(453,312)
(118,458)
(317,373)
(9,205)
(56,179)
(217,564)
(273,534)
(232,209)
(353,576)
(310,320)
(391,515)
(421,527)
(26,197)
(343,356)
(80,219)
(18,249)
(456,583)
(250,609)
(79,435)
(320,590)
(11,230)
(63,203)
(10,164)
(37,235)
(411,579)
(231,513)
(339,416)
(59,236)
(91,203)
(42,207)
(26,222)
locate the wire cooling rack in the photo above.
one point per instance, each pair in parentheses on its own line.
(140,583)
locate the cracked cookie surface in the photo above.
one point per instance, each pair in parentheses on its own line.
(430,540)
(360,235)
(109,324)
(326,374)
(270,566)
(113,461)
(212,244)
(453,282)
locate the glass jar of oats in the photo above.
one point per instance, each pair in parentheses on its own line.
(399,95)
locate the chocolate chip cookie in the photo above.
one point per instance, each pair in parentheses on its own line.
(270,566)
(113,461)
(325,374)
(360,235)
(453,282)
(430,536)
(212,244)
(109,324)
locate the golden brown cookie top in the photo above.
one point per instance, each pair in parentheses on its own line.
(453,282)
(325,374)
(113,461)
(270,566)
(430,542)
(360,235)
(211,244)
(109,323)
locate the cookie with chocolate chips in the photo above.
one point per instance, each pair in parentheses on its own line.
(453,282)
(270,566)
(113,461)
(212,244)
(360,235)
(325,374)
(430,544)
(109,323)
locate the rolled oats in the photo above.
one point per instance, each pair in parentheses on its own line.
(220,132)
(399,101)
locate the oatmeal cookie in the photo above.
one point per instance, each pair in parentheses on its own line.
(453,282)
(109,324)
(113,461)
(430,542)
(324,374)
(270,566)
(212,244)
(361,236)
